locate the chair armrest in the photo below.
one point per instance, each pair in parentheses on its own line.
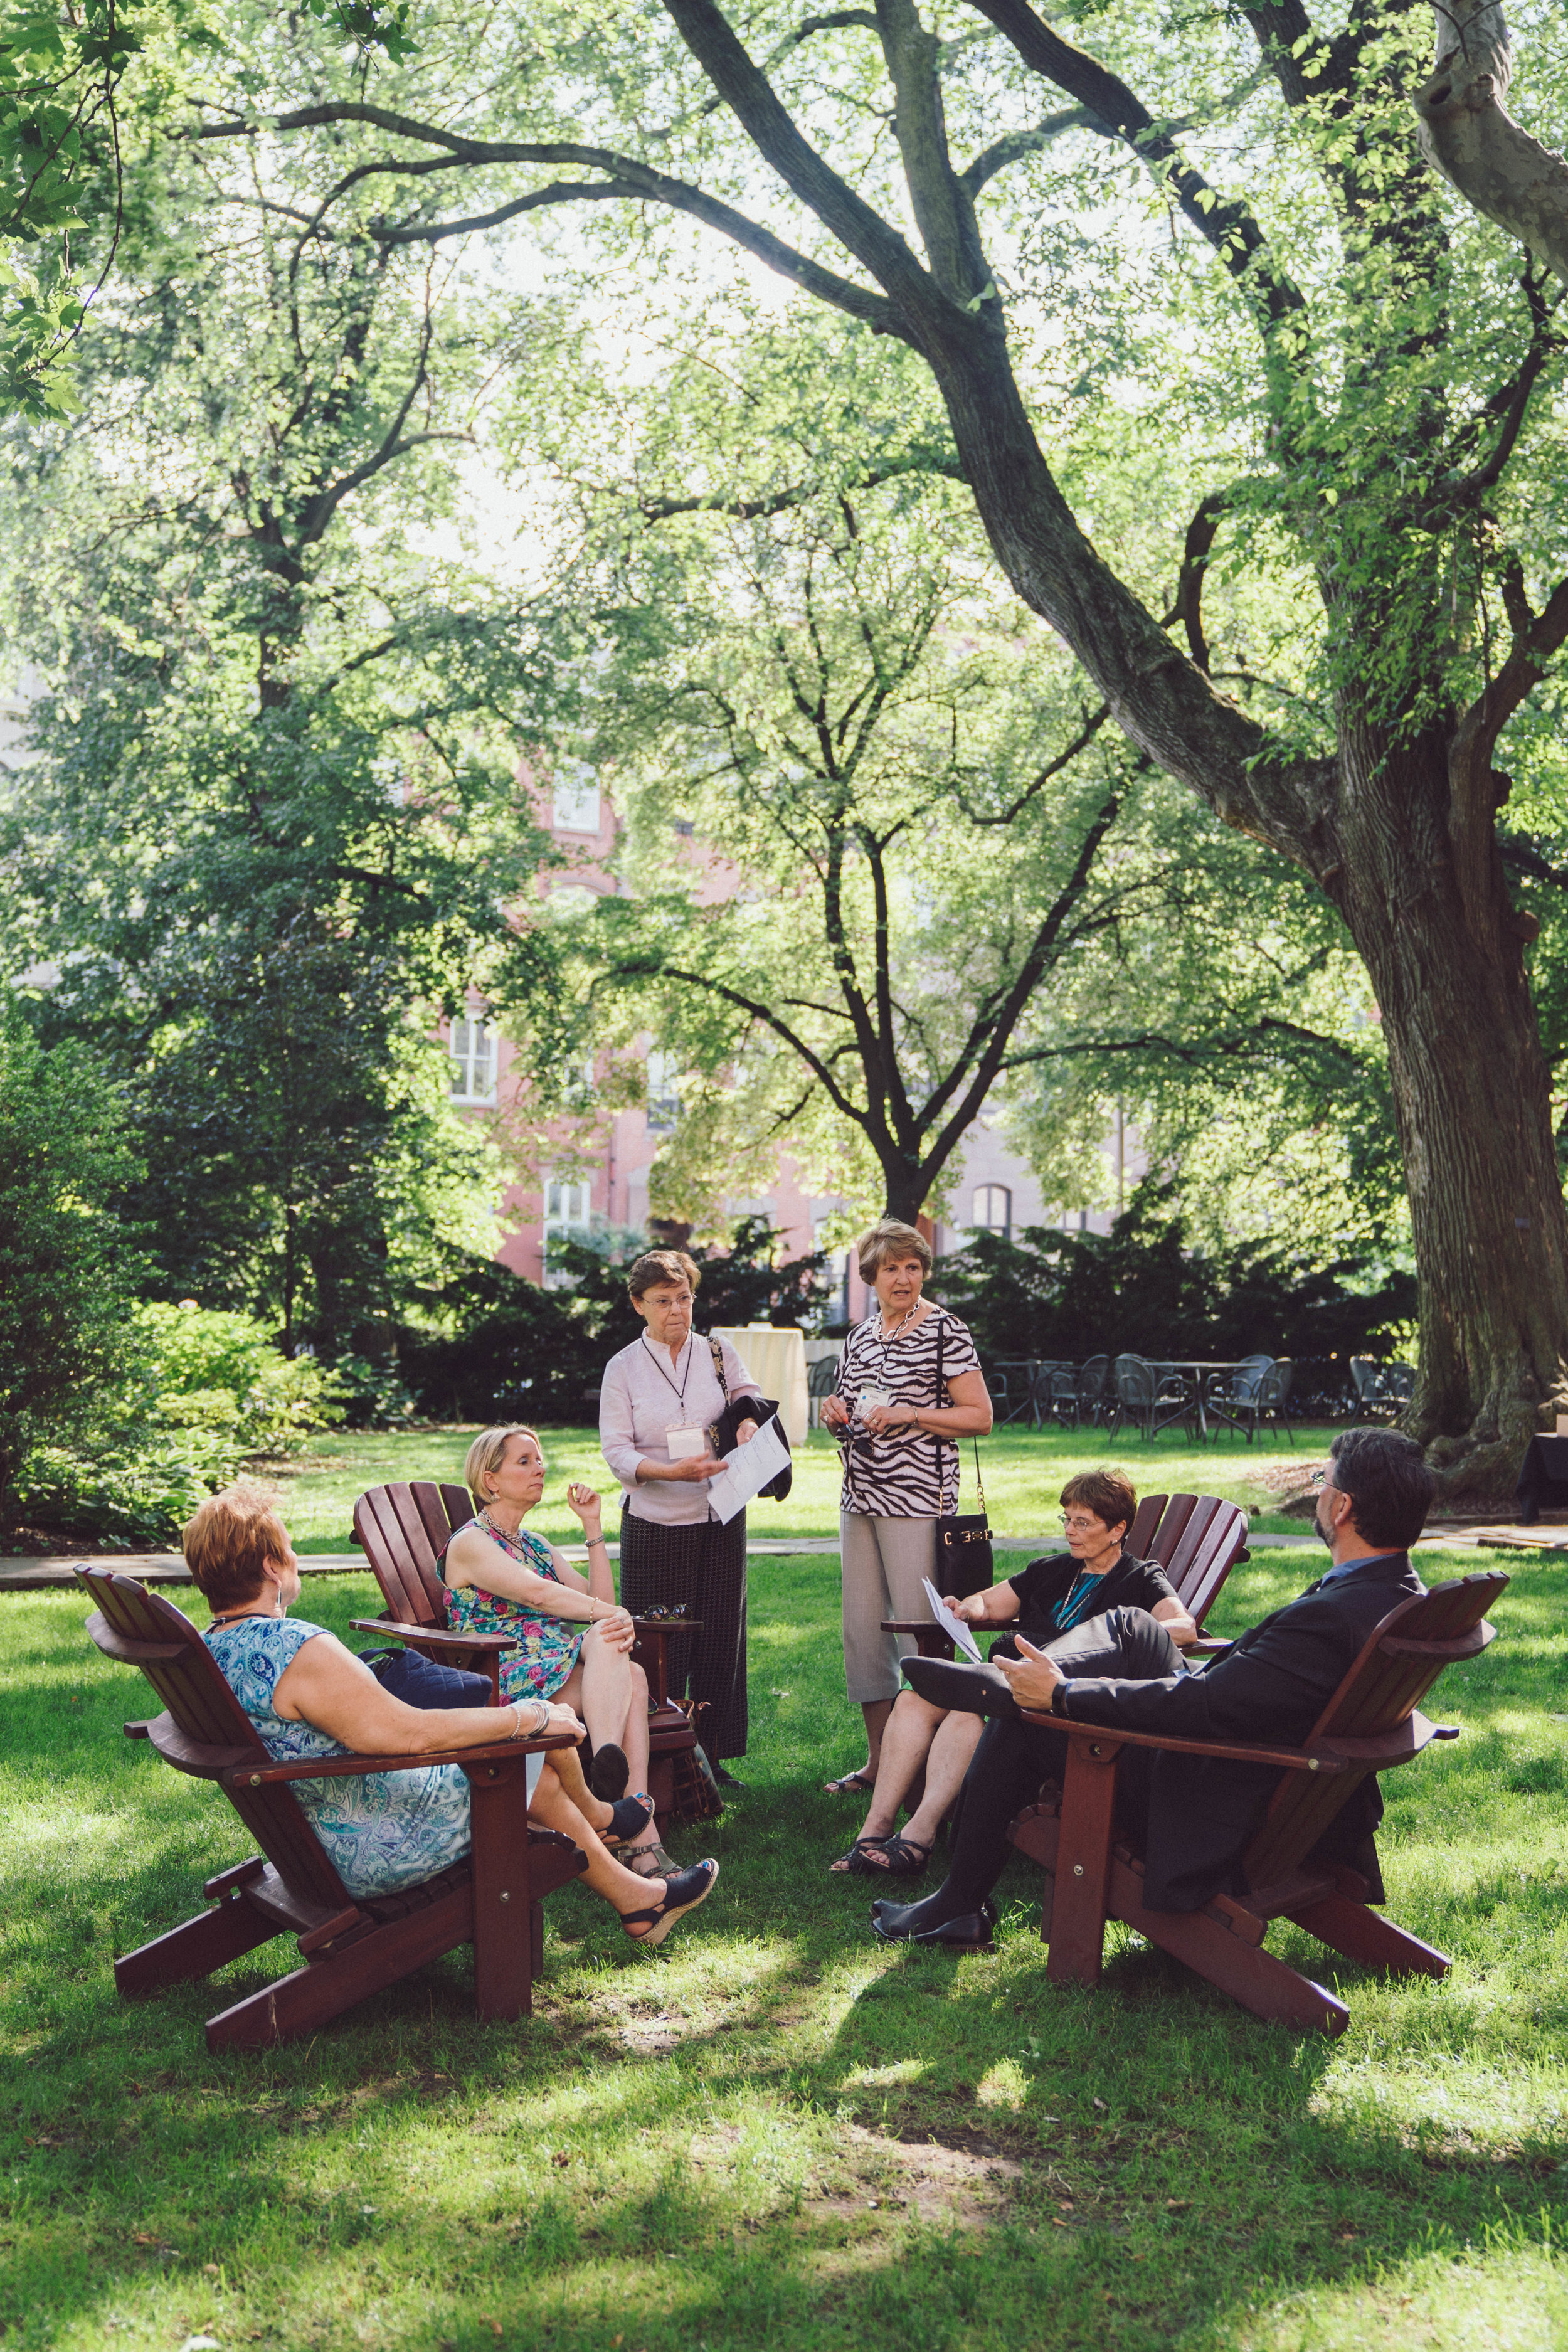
(661,1627)
(1300,1760)
(338,1767)
(139,1730)
(1215,1644)
(931,1641)
(490,1641)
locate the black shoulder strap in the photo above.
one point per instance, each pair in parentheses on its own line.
(717,1349)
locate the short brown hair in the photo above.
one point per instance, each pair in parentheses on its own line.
(654,1266)
(229,1542)
(890,1234)
(483,1457)
(1109,1494)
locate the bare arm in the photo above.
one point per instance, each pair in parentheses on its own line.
(1181,1629)
(327,1687)
(999,1606)
(969,1414)
(473,1559)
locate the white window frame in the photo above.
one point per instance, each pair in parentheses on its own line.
(663,1093)
(987,1223)
(568,1209)
(574,791)
(473,1045)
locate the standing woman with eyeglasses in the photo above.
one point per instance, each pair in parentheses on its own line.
(910,1385)
(658,1405)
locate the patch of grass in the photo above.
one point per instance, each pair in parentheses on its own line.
(776,2132)
(1023,1471)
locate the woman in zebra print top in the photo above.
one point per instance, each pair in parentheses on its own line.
(910,1385)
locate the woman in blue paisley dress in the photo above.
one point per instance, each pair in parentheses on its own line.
(307,1696)
(573,1639)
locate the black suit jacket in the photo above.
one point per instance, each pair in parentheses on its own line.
(1193,1815)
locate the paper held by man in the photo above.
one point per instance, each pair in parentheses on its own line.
(748,1470)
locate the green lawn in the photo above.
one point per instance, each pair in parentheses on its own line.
(1023,1471)
(775,2132)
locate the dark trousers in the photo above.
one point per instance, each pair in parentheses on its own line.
(420,1682)
(1013,1758)
(704,1565)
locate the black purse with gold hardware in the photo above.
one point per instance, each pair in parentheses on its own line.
(964,1563)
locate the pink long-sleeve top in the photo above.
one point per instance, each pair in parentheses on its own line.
(643,1398)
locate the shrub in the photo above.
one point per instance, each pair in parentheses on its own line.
(68,1265)
(221,1373)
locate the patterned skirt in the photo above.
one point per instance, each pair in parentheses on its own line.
(703,1564)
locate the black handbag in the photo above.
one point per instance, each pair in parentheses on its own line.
(724,1432)
(964,1561)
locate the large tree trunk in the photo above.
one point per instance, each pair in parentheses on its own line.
(1443,945)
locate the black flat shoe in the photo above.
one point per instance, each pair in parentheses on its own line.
(726,1779)
(895,1923)
(952,1682)
(610,1773)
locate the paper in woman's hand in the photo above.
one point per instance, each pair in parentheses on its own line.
(748,1470)
(951,1625)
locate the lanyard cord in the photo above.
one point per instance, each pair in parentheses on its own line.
(664,1376)
(1072,1608)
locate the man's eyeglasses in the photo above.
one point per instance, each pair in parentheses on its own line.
(660,1611)
(1078,1527)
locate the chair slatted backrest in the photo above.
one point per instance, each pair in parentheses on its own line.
(141,1628)
(1275,1386)
(1093,1379)
(1206,1550)
(1196,1543)
(1146,1519)
(1245,1378)
(403,1528)
(1134,1382)
(1397,1665)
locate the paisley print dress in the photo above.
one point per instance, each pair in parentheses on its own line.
(547,1647)
(381,1830)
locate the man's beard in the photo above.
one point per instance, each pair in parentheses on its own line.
(1323,1534)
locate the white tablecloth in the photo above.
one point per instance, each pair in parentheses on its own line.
(775,1360)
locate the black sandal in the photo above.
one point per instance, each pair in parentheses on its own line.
(906,1857)
(682,1892)
(854,1784)
(629,1816)
(855,1863)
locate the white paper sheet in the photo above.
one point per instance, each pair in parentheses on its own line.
(950,1624)
(750,1468)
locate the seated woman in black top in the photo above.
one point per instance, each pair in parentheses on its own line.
(1045,1599)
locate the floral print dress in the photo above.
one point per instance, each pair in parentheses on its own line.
(547,1647)
(382,1831)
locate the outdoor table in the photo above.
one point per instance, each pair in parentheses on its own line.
(1542,1478)
(1199,1371)
(775,1358)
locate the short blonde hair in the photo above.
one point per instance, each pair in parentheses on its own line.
(891,1236)
(483,1458)
(654,1266)
(228,1543)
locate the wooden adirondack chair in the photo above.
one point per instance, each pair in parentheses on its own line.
(1370,1724)
(1196,1539)
(403,1526)
(350,1948)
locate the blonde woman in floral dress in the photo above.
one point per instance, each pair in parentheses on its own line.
(573,1639)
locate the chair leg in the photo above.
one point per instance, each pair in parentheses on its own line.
(323,1989)
(1362,1935)
(1245,1971)
(209,1941)
(1083,1863)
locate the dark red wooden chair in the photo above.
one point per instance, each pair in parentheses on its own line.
(1196,1539)
(351,1947)
(403,1528)
(1371,1724)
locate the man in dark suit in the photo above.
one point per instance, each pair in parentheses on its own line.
(1189,1816)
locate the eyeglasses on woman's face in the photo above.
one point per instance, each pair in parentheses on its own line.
(1080,1526)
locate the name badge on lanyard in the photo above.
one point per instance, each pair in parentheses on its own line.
(871,1397)
(684,1444)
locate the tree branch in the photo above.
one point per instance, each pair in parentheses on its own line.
(1467,133)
